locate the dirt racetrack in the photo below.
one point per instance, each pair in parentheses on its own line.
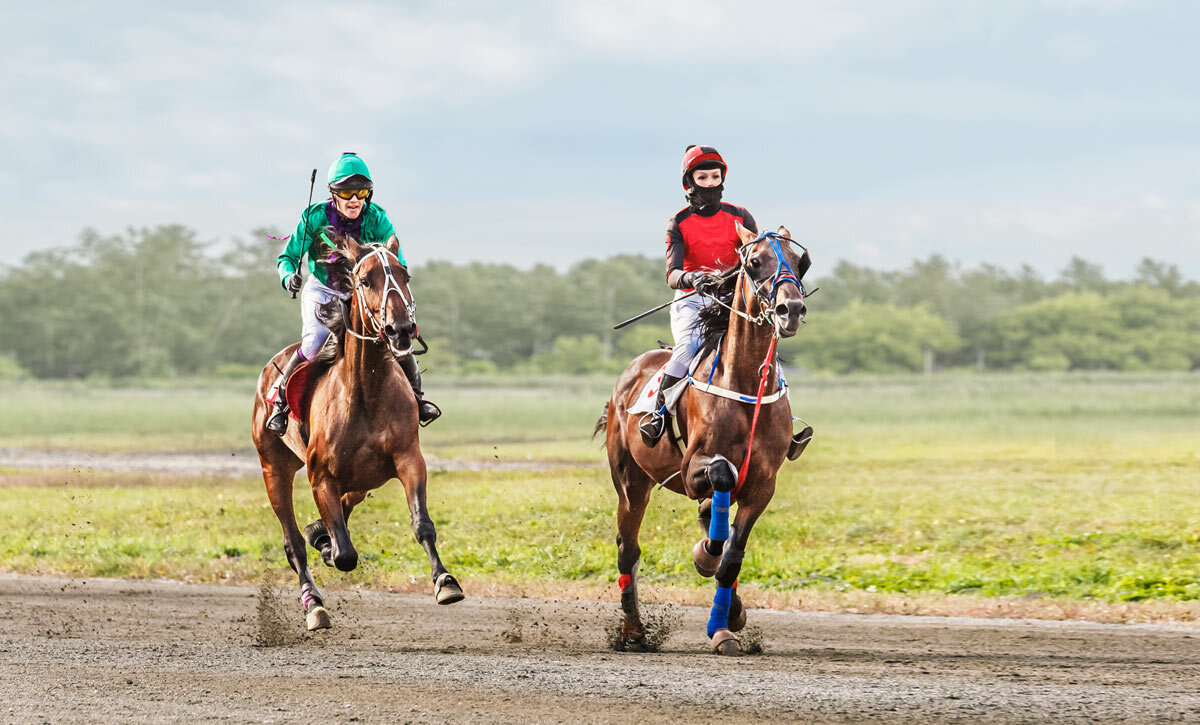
(101,650)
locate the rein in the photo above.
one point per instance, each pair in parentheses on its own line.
(390,285)
(783,275)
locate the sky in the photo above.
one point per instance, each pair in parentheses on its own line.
(1009,133)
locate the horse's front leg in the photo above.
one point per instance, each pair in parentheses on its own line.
(410,468)
(317,535)
(328,495)
(728,614)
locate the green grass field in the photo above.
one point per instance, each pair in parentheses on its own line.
(1065,488)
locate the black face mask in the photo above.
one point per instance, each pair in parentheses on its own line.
(705,198)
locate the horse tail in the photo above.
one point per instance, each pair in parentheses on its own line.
(602,423)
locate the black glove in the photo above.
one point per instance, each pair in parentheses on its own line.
(292,284)
(701,281)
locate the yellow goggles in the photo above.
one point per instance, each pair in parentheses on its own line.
(353,193)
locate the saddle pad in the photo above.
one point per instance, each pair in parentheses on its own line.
(645,400)
(299,392)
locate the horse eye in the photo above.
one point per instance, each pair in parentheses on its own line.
(754,263)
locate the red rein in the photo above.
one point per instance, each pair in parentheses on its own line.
(762,385)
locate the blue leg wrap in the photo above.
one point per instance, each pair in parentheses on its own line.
(719,617)
(718,525)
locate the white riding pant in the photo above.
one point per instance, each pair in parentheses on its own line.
(313,334)
(685,313)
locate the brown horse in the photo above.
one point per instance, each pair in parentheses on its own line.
(360,428)
(715,430)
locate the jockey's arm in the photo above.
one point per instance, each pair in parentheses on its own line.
(676,249)
(288,262)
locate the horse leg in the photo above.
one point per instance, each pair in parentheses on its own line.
(410,468)
(329,504)
(721,476)
(723,619)
(317,535)
(633,494)
(279,492)
(737,614)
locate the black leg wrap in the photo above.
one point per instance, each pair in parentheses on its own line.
(731,566)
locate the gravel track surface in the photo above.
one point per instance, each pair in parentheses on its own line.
(99,650)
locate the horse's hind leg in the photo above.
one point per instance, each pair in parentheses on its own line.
(279,491)
(410,468)
(633,494)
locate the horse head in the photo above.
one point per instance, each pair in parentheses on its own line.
(382,308)
(775,272)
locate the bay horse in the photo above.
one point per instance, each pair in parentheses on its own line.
(715,430)
(358,429)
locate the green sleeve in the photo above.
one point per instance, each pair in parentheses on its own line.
(293,250)
(384,231)
(297,244)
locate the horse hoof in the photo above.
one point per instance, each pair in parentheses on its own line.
(316,535)
(447,591)
(706,563)
(317,618)
(346,561)
(726,643)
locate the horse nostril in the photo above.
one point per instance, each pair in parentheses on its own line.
(781,310)
(389,331)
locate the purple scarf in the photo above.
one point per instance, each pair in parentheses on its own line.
(342,225)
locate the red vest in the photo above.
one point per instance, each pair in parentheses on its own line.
(708,242)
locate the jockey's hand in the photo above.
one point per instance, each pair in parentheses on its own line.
(293,283)
(700,281)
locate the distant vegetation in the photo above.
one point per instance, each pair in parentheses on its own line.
(157,302)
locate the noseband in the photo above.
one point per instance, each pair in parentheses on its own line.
(368,319)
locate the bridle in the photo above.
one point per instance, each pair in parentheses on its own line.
(368,319)
(766,291)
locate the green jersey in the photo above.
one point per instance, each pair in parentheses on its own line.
(312,238)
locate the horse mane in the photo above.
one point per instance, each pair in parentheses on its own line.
(339,268)
(339,265)
(713,320)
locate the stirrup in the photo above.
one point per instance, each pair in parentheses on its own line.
(433,415)
(278,422)
(652,427)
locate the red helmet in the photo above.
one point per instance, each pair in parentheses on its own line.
(695,156)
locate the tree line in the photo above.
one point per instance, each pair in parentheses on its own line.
(158,302)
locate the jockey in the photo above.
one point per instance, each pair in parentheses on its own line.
(348,211)
(701,240)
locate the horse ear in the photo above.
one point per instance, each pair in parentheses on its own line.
(743,233)
(393,245)
(783,232)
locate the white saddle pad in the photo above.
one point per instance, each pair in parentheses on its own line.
(645,400)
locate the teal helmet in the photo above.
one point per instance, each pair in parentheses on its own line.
(349,172)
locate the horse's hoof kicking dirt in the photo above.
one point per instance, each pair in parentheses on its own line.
(725,642)
(318,618)
(447,591)
(706,563)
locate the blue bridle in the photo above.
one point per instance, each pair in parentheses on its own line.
(783,271)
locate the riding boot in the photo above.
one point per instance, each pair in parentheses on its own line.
(654,424)
(427,411)
(278,422)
